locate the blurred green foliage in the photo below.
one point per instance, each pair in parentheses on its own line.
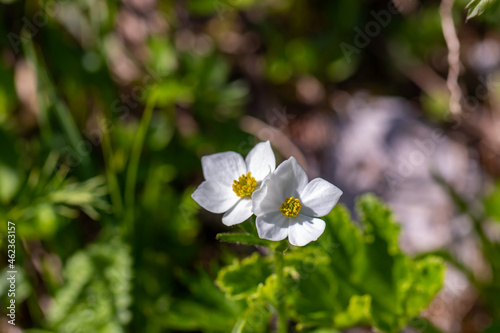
(108,237)
(96,294)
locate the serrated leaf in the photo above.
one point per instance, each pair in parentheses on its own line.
(378,222)
(427,271)
(241,279)
(362,275)
(357,312)
(255,319)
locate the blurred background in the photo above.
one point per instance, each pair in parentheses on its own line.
(107,107)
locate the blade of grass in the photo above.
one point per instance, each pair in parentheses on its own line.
(490,249)
(111,174)
(133,166)
(465,208)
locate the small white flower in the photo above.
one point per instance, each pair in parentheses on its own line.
(287,205)
(230,181)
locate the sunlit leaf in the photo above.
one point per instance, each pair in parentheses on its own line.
(241,279)
(241,238)
(363,276)
(254,320)
(477,7)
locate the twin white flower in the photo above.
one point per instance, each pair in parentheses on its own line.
(285,203)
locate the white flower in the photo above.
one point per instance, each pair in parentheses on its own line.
(230,181)
(287,205)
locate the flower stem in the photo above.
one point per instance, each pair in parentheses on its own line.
(278,268)
(133,166)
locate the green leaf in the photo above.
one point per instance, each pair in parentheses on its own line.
(492,203)
(10,179)
(95,296)
(362,275)
(357,312)
(428,272)
(88,195)
(477,7)
(241,279)
(255,319)
(241,238)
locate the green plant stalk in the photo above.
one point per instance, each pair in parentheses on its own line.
(278,268)
(248,226)
(111,174)
(133,166)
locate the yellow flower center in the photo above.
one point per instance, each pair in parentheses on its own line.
(245,185)
(291,207)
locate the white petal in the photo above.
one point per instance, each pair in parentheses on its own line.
(319,197)
(288,180)
(296,177)
(214,197)
(265,199)
(238,213)
(304,229)
(223,167)
(273,226)
(261,161)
